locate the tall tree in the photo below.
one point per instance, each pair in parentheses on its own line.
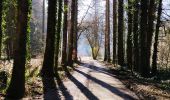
(154,63)
(65,25)
(48,63)
(1,26)
(16,88)
(60,3)
(75,32)
(114,31)
(129,38)
(120,32)
(107,33)
(136,35)
(151,19)
(70,38)
(144,69)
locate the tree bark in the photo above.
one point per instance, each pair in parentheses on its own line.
(129,38)
(154,63)
(144,69)
(70,41)
(16,88)
(48,63)
(64,47)
(120,33)
(58,33)
(75,32)
(114,31)
(107,32)
(151,19)
(136,36)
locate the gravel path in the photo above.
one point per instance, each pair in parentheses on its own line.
(92,81)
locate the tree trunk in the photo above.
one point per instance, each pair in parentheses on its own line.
(70,41)
(120,33)
(48,63)
(136,36)
(154,63)
(144,69)
(64,47)
(114,31)
(107,32)
(16,88)
(58,33)
(75,32)
(151,18)
(129,38)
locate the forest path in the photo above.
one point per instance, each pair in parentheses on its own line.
(92,81)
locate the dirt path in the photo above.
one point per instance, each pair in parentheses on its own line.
(92,81)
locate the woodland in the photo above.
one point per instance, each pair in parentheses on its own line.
(43,43)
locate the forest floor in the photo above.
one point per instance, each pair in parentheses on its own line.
(154,88)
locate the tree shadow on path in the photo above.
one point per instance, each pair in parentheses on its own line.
(50,89)
(97,69)
(63,89)
(82,88)
(107,86)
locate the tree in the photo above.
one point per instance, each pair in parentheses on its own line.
(1,26)
(16,88)
(48,63)
(64,45)
(70,37)
(150,31)
(136,35)
(58,32)
(120,33)
(107,33)
(92,35)
(144,69)
(114,31)
(75,32)
(154,63)
(129,37)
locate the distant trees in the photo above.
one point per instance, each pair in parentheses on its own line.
(16,88)
(140,32)
(10,28)
(93,36)
(1,27)
(43,20)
